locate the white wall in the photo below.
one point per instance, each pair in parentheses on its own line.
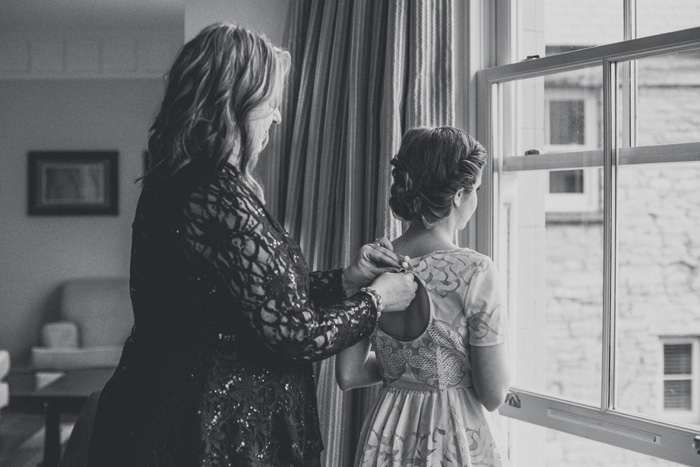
(81,105)
(264,16)
(37,253)
(79,54)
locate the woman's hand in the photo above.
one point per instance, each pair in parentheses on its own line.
(373,260)
(397,290)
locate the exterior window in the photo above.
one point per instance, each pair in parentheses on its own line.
(566,181)
(572,124)
(681,393)
(678,376)
(574,195)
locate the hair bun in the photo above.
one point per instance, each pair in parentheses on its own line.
(405,200)
(432,165)
(403,176)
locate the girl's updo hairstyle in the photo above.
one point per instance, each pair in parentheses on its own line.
(431,166)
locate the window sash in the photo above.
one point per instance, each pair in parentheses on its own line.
(681,152)
(604,423)
(672,42)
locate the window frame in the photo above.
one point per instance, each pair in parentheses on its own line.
(605,423)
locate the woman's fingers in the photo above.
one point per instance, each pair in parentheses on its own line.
(382,257)
(383,246)
(384,242)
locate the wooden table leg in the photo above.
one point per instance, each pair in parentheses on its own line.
(52,435)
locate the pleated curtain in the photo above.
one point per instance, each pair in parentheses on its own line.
(363,72)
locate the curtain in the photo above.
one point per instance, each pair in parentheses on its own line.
(363,72)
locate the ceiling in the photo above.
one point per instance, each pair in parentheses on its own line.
(90,14)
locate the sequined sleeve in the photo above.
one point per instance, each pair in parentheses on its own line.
(227,229)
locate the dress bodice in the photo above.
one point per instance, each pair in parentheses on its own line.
(464,310)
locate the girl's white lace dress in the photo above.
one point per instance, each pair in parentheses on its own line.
(427,413)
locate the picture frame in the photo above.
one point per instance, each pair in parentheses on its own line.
(73,183)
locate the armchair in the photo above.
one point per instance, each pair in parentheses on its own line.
(96,319)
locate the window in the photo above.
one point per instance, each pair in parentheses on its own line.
(566,181)
(681,394)
(678,377)
(572,119)
(588,300)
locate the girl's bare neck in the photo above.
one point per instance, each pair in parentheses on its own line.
(418,241)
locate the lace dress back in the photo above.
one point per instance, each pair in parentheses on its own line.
(427,412)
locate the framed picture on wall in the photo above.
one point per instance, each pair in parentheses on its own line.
(73,183)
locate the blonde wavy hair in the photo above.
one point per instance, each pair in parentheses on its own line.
(217,79)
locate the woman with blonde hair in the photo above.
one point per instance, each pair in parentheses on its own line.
(227,318)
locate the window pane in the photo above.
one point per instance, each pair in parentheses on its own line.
(559,113)
(677,395)
(555,277)
(658,243)
(576,24)
(551,237)
(668,105)
(660,16)
(536,446)
(658,283)
(573,268)
(567,122)
(677,359)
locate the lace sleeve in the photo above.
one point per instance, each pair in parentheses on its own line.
(227,229)
(326,286)
(487,321)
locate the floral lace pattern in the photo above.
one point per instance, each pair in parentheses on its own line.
(228,319)
(427,413)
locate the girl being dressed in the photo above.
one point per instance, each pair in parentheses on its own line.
(442,363)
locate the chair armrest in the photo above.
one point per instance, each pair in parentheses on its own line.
(4,364)
(4,395)
(60,359)
(60,334)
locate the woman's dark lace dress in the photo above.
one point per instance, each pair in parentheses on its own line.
(217,370)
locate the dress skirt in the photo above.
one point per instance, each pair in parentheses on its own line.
(409,427)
